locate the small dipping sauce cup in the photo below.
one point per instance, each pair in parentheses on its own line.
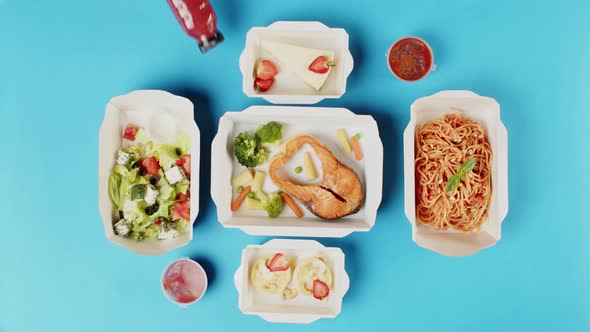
(410,59)
(184,282)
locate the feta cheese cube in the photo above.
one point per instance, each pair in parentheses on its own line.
(165,234)
(150,195)
(122,227)
(123,158)
(174,175)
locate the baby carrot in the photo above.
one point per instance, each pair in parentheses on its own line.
(292,204)
(235,205)
(356,147)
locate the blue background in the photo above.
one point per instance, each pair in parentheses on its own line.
(61,61)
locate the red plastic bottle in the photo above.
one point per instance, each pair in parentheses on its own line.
(198,20)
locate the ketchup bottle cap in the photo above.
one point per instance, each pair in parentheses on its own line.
(211,42)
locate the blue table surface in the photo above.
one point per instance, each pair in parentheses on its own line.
(60,63)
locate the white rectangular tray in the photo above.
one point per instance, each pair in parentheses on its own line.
(320,122)
(486,111)
(288,88)
(303,309)
(163,116)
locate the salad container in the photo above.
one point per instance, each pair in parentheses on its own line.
(303,309)
(486,111)
(163,116)
(322,123)
(288,88)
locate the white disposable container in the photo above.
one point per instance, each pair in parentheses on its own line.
(486,111)
(303,309)
(289,88)
(323,124)
(163,116)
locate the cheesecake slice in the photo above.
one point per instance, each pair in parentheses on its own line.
(297,60)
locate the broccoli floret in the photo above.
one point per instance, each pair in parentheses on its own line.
(271,203)
(249,151)
(270,133)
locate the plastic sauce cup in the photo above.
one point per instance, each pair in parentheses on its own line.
(410,59)
(184,282)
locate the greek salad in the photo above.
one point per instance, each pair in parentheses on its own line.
(150,187)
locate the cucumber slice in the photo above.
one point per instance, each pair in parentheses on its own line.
(138,192)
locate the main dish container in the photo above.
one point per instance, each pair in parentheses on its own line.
(288,87)
(302,309)
(163,116)
(322,123)
(486,111)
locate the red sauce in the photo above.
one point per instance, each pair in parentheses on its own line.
(410,59)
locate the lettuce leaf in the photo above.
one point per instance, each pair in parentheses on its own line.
(121,170)
(133,212)
(114,189)
(132,176)
(124,189)
(163,211)
(182,186)
(183,142)
(166,192)
(151,232)
(141,137)
(182,226)
(166,155)
(135,150)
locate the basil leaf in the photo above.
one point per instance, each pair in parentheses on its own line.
(453,182)
(461,174)
(468,165)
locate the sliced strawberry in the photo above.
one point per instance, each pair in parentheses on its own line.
(185,163)
(278,263)
(320,289)
(263,85)
(321,65)
(265,70)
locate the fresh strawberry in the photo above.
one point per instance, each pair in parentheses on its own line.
(265,70)
(321,65)
(320,289)
(263,85)
(278,263)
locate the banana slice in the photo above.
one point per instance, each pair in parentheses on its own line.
(266,281)
(310,269)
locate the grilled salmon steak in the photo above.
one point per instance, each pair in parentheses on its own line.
(338,194)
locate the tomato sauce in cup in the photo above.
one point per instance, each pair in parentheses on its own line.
(410,59)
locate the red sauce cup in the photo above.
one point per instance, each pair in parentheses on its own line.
(410,59)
